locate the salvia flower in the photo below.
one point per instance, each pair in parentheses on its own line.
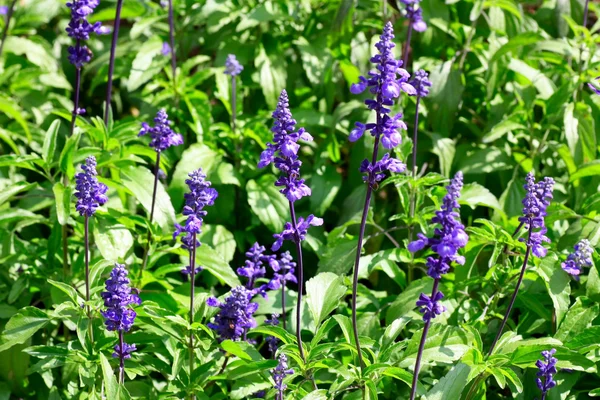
(284,271)
(3,10)
(594,88)
(536,201)
(449,236)
(166,49)
(232,66)
(199,196)
(581,257)
(89,192)
(254,268)
(79,28)
(118,299)
(414,14)
(235,315)
(272,341)
(283,152)
(421,83)
(547,368)
(161,133)
(280,372)
(386,82)
(298,234)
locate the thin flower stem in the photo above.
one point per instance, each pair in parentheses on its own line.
(111,63)
(6,24)
(233,103)
(411,212)
(544,394)
(192,294)
(406,46)
(121,359)
(585,18)
(300,288)
(283,317)
(172,41)
(147,248)
(415,380)
(514,296)
(86,238)
(76,102)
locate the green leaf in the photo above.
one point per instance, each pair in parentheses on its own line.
(445,149)
(580,133)
(338,256)
(451,386)
(320,394)
(501,129)
(270,206)
(473,194)
(62,199)
(444,344)
(557,282)
(68,153)
(405,302)
(272,75)
(220,239)
(49,147)
(22,326)
(9,191)
(212,261)
(446,92)
(323,294)
(590,169)
(68,290)
(578,318)
(242,350)
(142,69)
(113,240)
(542,83)
(140,181)
(109,379)
(326,183)
(35,52)
(259,14)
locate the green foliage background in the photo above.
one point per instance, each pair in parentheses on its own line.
(508,96)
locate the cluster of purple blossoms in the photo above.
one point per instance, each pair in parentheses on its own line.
(235,316)
(386,83)
(79,28)
(536,201)
(298,234)
(581,257)
(283,152)
(199,196)
(232,66)
(89,192)
(161,133)
(449,237)
(254,268)
(421,83)
(118,298)
(545,376)
(414,14)
(284,271)
(279,373)
(272,341)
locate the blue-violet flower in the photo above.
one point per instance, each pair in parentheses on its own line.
(284,271)
(421,83)
(235,314)
(581,257)
(79,28)
(280,372)
(414,14)
(536,201)
(89,192)
(161,133)
(547,368)
(232,66)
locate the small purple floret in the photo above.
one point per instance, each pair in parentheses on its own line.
(161,133)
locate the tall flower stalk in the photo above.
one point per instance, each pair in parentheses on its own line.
(283,153)
(119,316)
(90,194)
(111,62)
(8,11)
(386,82)
(233,68)
(449,237)
(162,137)
(199,196)
(421,84)
(284,272)
(279,373)
(172,44)
(79,28)
(536,201)
(414,14)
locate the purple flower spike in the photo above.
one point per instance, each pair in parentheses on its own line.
(297,235)
(89,192)
(118,298)
(232,66)
(284,271)
(254,268)
(166,49)
(79,28)
(421,83)
(161,133)
(578,259)
(547,368)
(430,307)
(235,314)
(535,203)
(414,15)
(279,374)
